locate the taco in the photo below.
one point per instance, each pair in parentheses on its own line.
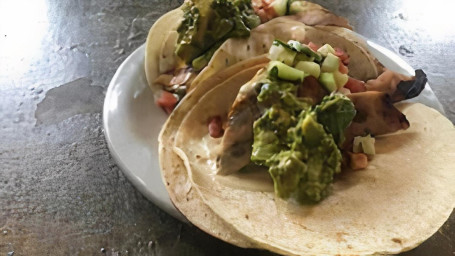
(394,205)
(183,42)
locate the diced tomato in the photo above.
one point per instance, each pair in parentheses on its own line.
(264,9)
(343,68)
(355,85)
(167,101)
(358,161)
(313,46)
(215,127)
(262,15)
(344,57)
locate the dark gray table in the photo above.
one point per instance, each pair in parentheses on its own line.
(61,193)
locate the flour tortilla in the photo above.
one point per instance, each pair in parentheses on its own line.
(235,50)
(184,197)
(403,197)
(156,37)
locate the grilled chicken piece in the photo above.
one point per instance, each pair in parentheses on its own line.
(376,115)
(236,143)
(399,87)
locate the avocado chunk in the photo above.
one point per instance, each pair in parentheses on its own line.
(305,166)
(208,23)
(335,113)
(266,147)
(288,171)
(311,130)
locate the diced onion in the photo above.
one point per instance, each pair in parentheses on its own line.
(364,144)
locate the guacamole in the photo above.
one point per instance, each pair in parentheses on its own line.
(299,142)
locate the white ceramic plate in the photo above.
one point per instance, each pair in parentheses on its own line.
(132,122)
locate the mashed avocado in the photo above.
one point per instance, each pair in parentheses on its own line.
(301,154)
(299,142)
(207,24)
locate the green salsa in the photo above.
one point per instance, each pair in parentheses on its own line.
(299,142)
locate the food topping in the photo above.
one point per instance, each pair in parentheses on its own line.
(206,24)
(344,57)
(399,87)
(355,85)
(300,123)
(176,82)
(269,9)
(358,161)
(215,125)
(167,101)
(298,142)
(297,145)
(364,144)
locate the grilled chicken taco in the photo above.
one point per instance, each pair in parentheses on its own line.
(182,45)
(254,156)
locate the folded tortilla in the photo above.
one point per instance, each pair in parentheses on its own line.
(399,201)
(161,41)
(157,42)
(184,197)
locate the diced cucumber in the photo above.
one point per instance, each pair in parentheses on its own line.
(279,42)
(328,81)
(303,49)
(285,72)
(331,63)
(309,67)
(306,50)
(275,51)
(340,79)
(296,45)
(326,49)
(281,53)
(296,7)
(280,7)
(288,58)
(303,57)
